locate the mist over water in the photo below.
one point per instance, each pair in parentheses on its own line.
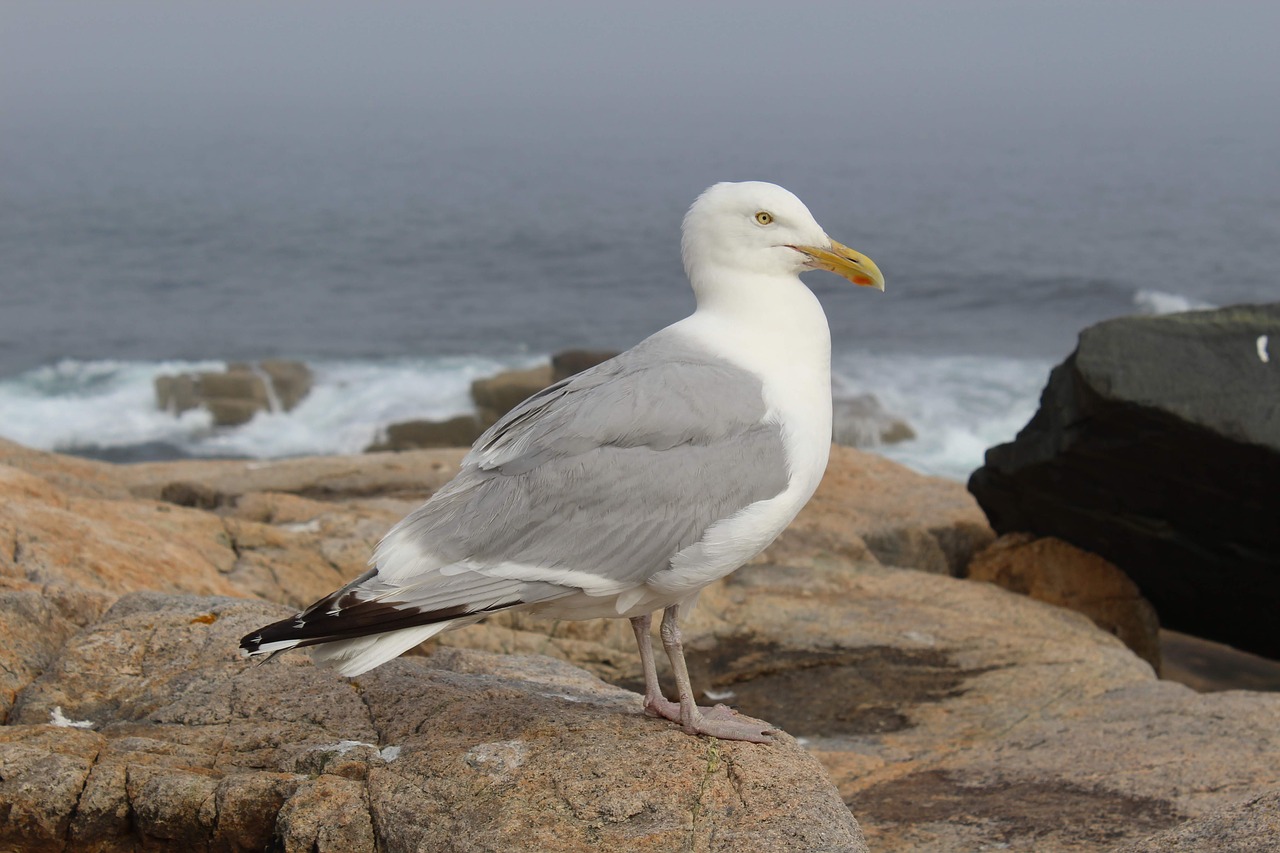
(406,198)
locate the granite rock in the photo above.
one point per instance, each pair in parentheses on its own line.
(188,746)
(949,714)
(1251,826)
(1051,570)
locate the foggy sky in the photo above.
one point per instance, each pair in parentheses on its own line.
(516,67)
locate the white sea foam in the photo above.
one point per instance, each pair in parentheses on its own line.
(958,406)
(75,405)
(1159,302)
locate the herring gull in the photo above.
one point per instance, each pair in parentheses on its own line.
(626,488)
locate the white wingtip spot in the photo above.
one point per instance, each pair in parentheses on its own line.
(1263,356)
(270,648)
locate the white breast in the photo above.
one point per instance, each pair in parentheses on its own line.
(788,346)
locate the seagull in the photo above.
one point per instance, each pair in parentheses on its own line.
(627,488)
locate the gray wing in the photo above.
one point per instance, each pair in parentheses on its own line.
(613,471)
(593,484)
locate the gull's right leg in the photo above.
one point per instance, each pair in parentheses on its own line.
(721,721)
(655,704)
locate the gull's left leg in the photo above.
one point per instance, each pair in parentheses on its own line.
(720,721)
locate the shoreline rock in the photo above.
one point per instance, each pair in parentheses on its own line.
(1057,572)
(1157,447)
(493,397)
(463,748)
(948,714)
(863,421)
(233,396)
(461,431)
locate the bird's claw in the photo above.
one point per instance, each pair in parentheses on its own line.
(719,721)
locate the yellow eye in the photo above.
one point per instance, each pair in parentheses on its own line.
(764,217)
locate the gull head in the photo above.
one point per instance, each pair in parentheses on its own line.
(757,228)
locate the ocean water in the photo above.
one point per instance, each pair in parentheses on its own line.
(959,405)
(402,263)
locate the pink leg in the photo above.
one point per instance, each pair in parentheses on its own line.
(721,721)
(655,704)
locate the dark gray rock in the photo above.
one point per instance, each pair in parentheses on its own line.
(1157,446)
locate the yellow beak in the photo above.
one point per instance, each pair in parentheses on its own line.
(843,261)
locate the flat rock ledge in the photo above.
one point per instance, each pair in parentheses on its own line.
(148,733)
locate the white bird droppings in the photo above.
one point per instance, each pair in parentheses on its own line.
(57,718)
(497,759)
(342,747)
(1262,349)
(920,637)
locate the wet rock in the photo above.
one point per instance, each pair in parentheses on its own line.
(567,363)
(1208,667)
(937,810)
(1155,449)
(461,431)
(863,421)
(497,395)
(291,380)
(177,394)
(235,395)
(1059,573)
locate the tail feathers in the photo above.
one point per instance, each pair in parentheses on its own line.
(352,657)
(370,621)
(358,638)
